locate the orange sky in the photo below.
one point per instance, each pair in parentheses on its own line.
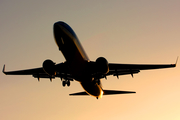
(121,31)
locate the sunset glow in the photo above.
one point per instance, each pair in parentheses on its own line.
(129,32)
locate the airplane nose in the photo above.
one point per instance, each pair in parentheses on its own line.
(58,35)
(62,25)
(62,31)
(66,28)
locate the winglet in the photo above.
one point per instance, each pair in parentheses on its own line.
(3,69)
(176,61)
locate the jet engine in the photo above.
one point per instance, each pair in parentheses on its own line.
(49,67)
(102,65)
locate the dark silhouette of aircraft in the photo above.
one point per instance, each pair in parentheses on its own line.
(78,66)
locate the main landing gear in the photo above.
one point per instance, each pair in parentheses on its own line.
(66,82)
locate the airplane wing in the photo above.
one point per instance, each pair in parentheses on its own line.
(40,73)
(24,72)
(123,69)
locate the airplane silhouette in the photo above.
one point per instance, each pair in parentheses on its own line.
(79,67)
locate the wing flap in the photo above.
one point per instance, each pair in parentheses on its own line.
(42,76)
(122,72)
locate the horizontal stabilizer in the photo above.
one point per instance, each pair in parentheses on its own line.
(79,93)
(106,92)
(111,92)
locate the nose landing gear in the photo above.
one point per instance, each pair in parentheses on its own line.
(97,81)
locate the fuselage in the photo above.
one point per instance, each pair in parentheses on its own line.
(76,58)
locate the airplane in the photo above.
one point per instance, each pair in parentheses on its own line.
(78,67)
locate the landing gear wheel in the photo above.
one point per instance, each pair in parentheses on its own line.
(68,83)
(64,83)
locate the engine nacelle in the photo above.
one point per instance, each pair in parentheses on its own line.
(49,67)
(102,65)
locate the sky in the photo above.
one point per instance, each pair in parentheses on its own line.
(122,31)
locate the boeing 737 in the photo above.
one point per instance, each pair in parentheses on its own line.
(79,67)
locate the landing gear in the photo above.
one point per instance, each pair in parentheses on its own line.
(66,82)
(98,82)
